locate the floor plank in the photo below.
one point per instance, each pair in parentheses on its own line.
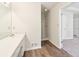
(47,50)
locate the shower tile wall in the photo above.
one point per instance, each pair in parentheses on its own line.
(43,25)
(76,25)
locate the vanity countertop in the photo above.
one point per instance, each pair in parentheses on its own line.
(8,45)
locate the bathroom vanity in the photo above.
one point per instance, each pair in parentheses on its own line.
(12,46)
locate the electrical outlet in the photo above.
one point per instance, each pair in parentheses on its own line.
(34,44)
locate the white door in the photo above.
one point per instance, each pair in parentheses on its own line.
(67,26)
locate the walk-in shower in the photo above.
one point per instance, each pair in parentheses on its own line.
(70,29)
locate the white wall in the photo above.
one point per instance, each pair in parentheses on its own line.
(54,24)
(5,21)
(26,17)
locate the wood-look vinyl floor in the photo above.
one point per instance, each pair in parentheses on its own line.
(47,50)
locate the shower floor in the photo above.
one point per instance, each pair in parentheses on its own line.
(71,46)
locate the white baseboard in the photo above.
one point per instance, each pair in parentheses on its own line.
(55,45)
(44,39)
(32,48)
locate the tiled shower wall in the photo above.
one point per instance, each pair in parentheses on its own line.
(76,25)
(43,25)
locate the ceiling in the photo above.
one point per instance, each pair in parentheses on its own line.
(48,5)
(74,7)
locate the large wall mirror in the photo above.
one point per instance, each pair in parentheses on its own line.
(5,19)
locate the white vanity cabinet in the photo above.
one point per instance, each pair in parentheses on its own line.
(19,50)
(13,46)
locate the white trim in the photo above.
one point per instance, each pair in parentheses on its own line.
(55,45)
(44,39)
(60,34)
(33,48)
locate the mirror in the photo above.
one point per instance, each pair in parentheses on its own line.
(5,20)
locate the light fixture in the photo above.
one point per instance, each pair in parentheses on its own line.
(6,4)
(45,9)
